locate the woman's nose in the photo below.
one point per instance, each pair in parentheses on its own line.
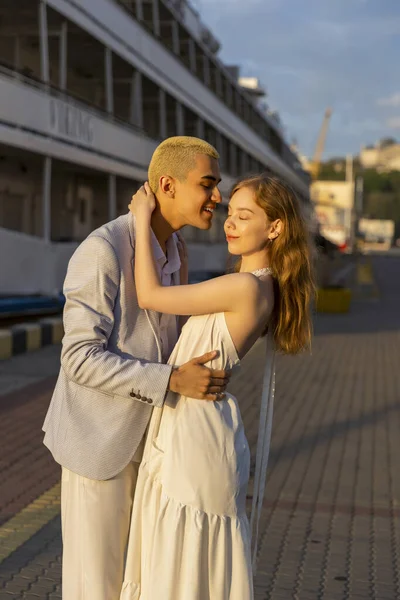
(229,223)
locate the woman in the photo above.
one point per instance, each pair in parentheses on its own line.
(190,537)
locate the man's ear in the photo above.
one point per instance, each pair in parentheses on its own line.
(167,185)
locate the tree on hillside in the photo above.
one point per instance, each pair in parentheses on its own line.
(376,182)
(381,190)
(389,141)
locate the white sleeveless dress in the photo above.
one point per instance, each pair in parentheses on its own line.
(190,536)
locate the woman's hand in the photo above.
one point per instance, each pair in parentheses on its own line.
(143,202)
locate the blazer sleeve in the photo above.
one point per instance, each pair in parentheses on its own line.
(90,288)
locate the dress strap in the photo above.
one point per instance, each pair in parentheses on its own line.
(263,444)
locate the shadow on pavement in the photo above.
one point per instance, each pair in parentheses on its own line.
(321,434)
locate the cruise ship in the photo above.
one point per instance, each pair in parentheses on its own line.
(88,89)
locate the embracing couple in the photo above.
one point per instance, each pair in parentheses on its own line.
(155,461)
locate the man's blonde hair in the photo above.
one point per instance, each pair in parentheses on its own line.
(176,156)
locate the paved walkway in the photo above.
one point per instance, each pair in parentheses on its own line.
(330,527)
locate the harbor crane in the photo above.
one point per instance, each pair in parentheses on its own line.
(315,164)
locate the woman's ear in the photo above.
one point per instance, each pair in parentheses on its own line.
(276,229)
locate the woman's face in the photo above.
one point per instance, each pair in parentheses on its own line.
(247,226)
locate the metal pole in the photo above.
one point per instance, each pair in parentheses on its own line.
(247,111)
(17,53)
(349,167)
(44,42)
(163,113)
(136,111)
(63,55)
(192,55)
(109,80)
(229,94)
(220,149)
(200,128)
(232,159)
(112,196)
(156,18)
(46,199)
(139,10)
(359,195)
(243,162)
(357,208)
(206,68)
(132,100)
(238,102)
(180,123)
(218,81)
(176,45)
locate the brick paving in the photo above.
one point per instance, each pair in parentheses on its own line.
(330,526)
(27,468)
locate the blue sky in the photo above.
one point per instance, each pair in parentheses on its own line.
(311,54)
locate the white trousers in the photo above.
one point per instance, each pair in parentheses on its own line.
(95,518)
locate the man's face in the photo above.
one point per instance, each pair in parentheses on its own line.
(196,198)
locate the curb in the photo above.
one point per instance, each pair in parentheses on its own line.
(26,337)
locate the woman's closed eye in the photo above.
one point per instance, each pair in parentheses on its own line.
(241,218)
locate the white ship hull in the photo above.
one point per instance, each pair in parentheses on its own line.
(87,91)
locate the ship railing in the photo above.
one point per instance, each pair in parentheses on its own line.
(53,90)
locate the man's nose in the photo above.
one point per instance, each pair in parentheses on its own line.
(216,196)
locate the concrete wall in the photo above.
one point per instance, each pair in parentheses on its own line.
(213,257)
(30,266)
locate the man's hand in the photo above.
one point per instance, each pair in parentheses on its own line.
(194,380)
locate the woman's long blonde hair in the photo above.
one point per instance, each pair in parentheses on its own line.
(290,259)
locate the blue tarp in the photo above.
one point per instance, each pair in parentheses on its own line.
(20,305)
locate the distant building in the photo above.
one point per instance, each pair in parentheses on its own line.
(333,201)
(252,86)
(384,156)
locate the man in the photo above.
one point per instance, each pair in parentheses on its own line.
(112,374)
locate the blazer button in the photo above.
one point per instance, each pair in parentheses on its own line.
(144,398)
(149,401)
(132,395)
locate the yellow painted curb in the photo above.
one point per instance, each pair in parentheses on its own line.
(33,336)
(58,332)
(5,343)
(57,328)
(20,528)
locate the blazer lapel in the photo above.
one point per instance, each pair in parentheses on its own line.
(152,316)
(176,280)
